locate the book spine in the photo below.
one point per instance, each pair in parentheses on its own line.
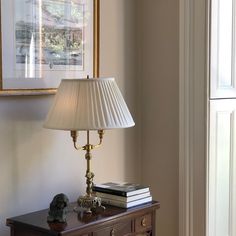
(114,203)
(127,204)
(110,191)
(121,198)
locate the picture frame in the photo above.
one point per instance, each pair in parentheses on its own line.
(44,41)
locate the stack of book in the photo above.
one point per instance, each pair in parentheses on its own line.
(123,195)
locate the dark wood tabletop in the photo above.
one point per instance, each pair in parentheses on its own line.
(77,220)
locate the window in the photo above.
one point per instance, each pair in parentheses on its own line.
(222,122)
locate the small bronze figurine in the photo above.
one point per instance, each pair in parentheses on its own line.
(58,208)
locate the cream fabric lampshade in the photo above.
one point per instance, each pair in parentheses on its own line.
(88,104)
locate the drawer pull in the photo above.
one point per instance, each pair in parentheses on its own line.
(112,232)
(144,222)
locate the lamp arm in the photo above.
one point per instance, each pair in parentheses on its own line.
(74,134)
(101,134)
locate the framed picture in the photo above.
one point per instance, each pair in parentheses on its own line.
(44,41)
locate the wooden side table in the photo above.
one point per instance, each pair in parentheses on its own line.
(114,221)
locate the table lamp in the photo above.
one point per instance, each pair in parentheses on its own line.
(88,105)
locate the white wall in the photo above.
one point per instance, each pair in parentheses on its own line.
(139,47)
(158,59)
(36,164)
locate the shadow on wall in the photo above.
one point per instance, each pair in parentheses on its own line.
(118,59)
(132,138)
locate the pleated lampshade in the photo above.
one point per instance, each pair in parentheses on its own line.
(88,104)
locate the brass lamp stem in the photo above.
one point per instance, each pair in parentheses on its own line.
(89,175)
(88,137)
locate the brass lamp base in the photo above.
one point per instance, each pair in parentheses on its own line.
(90,203)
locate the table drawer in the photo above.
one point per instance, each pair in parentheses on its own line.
(143,223)
(119,229)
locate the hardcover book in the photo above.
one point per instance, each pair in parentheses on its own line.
(121,189)
(122,198)
(126,204)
